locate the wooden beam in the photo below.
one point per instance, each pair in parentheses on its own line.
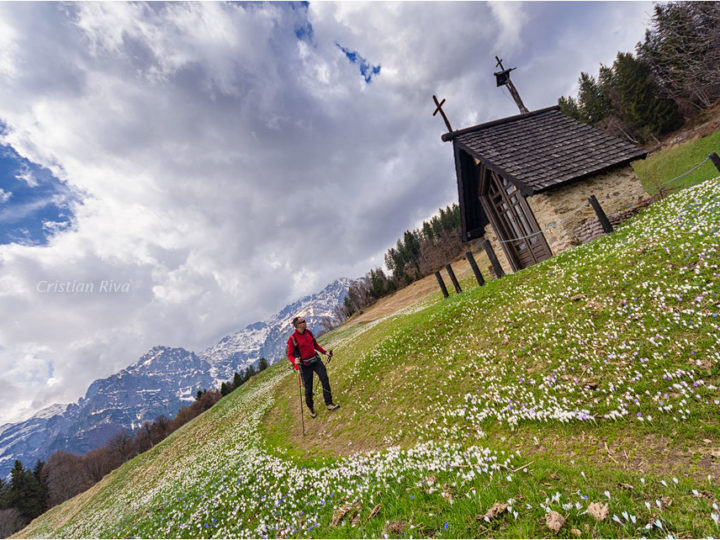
(604,221)
(442,284)
(442,113)
(475,269)
(454,280)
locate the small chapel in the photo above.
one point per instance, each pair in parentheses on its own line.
(524,181)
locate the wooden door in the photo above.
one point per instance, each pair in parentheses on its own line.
(513,220)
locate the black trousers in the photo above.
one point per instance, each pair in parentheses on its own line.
(307,377)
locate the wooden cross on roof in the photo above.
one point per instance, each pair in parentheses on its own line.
(439,109)
(502,78)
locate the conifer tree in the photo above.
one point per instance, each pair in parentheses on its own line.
(638,99)
(26,493)
(427,231)
(593,102)
(412,249)
(379,283)
(569,107)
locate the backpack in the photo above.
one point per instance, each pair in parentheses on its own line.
(296,354)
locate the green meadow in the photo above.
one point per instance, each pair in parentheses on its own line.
(575,398)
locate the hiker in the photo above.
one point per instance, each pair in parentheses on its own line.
(301,349)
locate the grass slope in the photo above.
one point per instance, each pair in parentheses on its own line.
(672,162)
(589,378)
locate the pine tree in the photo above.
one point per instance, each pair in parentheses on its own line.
(456,217)
(412,249)
(378,283)
(639,102)
(237,380)
(436,225)
(569,107)
(593,102)
(37,470)
(427,231)
(263,364)
(42,481)
(26,493)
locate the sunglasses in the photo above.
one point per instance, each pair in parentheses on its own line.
(300,322)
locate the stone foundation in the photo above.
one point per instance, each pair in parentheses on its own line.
(499,251)
(592,229)
(616,191)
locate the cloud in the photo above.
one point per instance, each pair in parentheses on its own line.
(27,176)
(19,212)
(229,159)
(4,196)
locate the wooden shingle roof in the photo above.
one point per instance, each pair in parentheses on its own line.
(544,149)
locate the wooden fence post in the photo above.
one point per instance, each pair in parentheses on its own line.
(604,221)
(475,269)
(715,159)
(493,259)
(442,284)
(453,278)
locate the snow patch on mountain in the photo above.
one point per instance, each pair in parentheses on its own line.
(159,383)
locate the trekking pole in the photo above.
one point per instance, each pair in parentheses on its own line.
(302,415)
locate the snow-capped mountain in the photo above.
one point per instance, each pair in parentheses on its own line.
(269,338)
(159,383)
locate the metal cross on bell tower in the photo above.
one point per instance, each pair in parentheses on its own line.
(502,78)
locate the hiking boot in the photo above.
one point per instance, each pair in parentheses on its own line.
(333,406)
(313,414)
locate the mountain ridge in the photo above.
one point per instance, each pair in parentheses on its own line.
(160,382)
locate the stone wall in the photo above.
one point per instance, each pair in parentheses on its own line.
(616,191)
(592,229)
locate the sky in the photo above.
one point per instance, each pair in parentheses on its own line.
(170,173)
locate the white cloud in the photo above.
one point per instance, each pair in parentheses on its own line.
(27,176)
(8,36)
(4,196)
(228,168)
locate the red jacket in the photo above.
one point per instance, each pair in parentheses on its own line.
(307,345)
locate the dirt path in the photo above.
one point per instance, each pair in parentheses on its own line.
(419,290)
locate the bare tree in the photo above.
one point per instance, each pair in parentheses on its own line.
(11,521)
(328,323)
(683,50)
(184,415)
(66,477)
(160,429)
(121,446)
(143,441)
(439,251)
(99,462)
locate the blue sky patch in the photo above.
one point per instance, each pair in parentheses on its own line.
(34,204)
(305,31)
(367,70)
